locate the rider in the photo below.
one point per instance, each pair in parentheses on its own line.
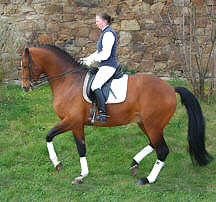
(107,61)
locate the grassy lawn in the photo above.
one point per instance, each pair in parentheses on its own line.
(27,174)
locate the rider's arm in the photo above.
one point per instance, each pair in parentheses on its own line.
(107,43)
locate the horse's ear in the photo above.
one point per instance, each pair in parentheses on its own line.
(26,50)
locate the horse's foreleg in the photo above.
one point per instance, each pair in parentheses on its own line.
(80,143)
(162,151)
(50,135)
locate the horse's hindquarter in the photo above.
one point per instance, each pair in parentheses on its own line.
(157,100)
(147,98)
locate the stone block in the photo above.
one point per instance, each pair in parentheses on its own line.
(24,26)
(210,2)
(116,27)
(202,22)
(64,35)
(39,9)
(160,66)
(146,66)
(10,10)
(138,56)
(82,32)
(129,25)
(73,50)
(45,39)
(125,38)
(139,47)
(50,9)
(87,3)
(26,9)
(141,9)
(80,42)
(160,57)
(4,1)
(53,27)
(138,37)
(157,8)
(181,2)
(94,34)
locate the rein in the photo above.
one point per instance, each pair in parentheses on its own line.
(45,78)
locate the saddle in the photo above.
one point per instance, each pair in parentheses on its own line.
(106,89)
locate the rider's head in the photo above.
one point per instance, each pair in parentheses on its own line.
(102,20)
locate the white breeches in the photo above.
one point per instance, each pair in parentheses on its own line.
(103,75)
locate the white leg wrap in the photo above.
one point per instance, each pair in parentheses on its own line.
(52,154)
(84,166)
(139,157)
(155,171)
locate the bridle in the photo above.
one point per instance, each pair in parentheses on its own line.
(44,78)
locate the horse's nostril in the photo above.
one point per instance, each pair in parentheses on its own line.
(26,89)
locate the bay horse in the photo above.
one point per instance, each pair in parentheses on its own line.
(150,102)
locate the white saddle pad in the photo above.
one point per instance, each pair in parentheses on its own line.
(118,86)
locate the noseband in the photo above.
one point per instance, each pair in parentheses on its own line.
(29,66)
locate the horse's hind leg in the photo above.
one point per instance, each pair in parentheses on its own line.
(141,155)
(162,151)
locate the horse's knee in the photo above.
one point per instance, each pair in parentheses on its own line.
(52,133)
(49,138)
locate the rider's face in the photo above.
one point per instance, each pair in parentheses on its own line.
(101,23)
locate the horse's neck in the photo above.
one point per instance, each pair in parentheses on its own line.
(50,63)
(60,73)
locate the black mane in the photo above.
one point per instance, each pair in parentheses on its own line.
(66,56)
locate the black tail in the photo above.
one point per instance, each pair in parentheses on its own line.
(196,127)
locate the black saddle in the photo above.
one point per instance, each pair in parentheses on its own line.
(105,88)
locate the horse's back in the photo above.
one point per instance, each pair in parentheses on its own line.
(151,85)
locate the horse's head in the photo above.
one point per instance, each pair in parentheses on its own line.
(30,72)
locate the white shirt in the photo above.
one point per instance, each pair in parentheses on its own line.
(107,43)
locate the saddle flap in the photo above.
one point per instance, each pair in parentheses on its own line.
(106,87)
(111,90)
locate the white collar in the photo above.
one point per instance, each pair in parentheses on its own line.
(105,27)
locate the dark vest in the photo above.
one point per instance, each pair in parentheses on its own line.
(112,60)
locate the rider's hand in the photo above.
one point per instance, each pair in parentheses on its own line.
(86,61)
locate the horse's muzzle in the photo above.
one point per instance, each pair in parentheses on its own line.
(28,88)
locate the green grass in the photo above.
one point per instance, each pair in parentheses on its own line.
(27,174)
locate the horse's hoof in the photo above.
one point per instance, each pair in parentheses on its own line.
(134,170)
(77,180)
(142,181)
(59,167)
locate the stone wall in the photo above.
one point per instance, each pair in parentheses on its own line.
(143,43)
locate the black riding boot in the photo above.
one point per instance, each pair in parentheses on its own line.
(101,116)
